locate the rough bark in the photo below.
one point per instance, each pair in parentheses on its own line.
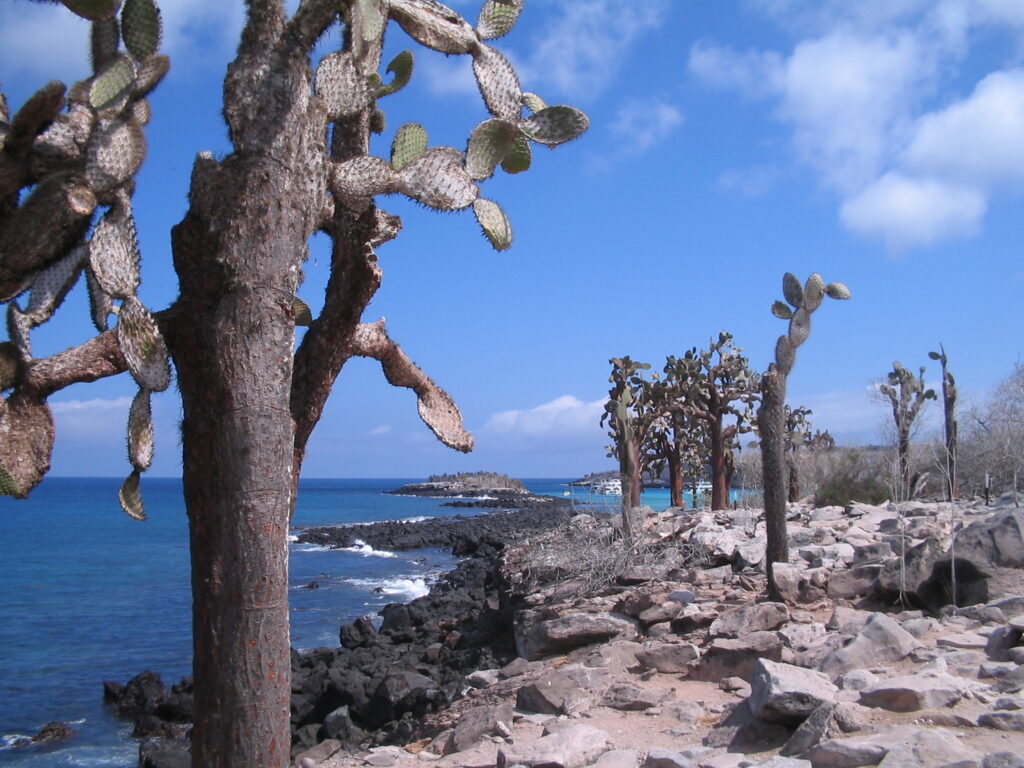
(771,420)
(675,478)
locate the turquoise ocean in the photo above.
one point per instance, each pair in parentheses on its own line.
(87,594)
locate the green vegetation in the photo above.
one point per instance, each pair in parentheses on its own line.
(479,480)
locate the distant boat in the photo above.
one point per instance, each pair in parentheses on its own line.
(608,488)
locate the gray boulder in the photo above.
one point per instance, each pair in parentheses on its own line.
(786,694)
(477,723)
(911,693)
(757,617)
(736,657)
(547,694)
(880,639)
(572,747)
(668,657)
(572,631)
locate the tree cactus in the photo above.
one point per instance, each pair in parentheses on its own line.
(630,415)
(907,395)
(949,394)
(801,301)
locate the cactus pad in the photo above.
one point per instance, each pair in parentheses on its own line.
(113,85)
(781,311)
(438,179)
(140,27)
(838,291)
(533,102)
(519,156)
(149,73)
(497,17)
(342,89)
(303,315)
(370,20)
(114,154)
(792,290)
(7,486)
(409,143)
(18,326)
(130,498)
(104,40)
(498,83)
(401,66)
(140,431)
(494,223)
(100,305)
(114,252)
(799,327)
(555,125)
(434,25)
(141,111)
(814,291)
(94,10)
(53,284)
(489,143)
(142,346)
(785,355)
(364,176)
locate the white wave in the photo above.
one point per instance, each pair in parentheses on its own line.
(362,548)
(311,548)
(407,588)
(10,740)
(292,538)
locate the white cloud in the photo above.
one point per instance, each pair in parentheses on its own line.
(383,429)
(641,124)
(93,420)
(564,417)
(753,73)
(580,49)
(447,75)
(747,182)
(906,212)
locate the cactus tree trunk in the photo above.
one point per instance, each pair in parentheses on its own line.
(771,418)
(675,477)
(719,478)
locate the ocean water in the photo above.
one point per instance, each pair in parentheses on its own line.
(87,594)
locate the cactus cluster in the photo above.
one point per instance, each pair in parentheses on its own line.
(443,178)
(804,300)
(907,395)
(85,145)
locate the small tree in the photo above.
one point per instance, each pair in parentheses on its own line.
(949,394)
(630,415)
(907,395)
(771,416)
(676,440)
(798,438)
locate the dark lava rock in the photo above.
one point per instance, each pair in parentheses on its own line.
(55,731)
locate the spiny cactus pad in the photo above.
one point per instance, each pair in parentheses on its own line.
(519,156)
(150,72)
(100,305)
(785,355)
(489,144)
(799,327)
(104,40)
(401,66)
(497,17)
(499,84)
(814,291)
(494,223)
(409,143)
(18,326)
(53,284)
(533,102)
(114,252)
(130,498)
(438,179)
(140,431)
(112,86)
(94,10)
(555,125)
(792,290)
(781,311)
(365,176)
(342,89)
(434,25)
(140,27)
(303,315)
(370,19)
(114,153)
(838,291)
(142,346)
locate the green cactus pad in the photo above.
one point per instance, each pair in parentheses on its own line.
(489,143)
(533,102)
(140,432)
(149,73)
(371,20)
(142,346)
(401,66)
(114,153)
(7,484)
(53,283)
(799,327)
(409,143)
(498,82)
(341,88)
(365,176)
(100,305)
(434,25)
(141,111)
(114,252)
(130,498)
(792,290)
(303,315)
(111,87)
(19,325)
(814,291)
(838,291)
(781,311)
(94,10)
(497,17)
(494,223)
(140,28)
(785,355)
(104,40)
(519,156)
(555,125)
(438,179)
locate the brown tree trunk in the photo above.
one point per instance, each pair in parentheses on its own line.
(794,476)
(237,255)
(636,485)
(719,480)
(771,419)
(903,459)
(675,477)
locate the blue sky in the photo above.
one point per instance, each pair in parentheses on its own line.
(880,143)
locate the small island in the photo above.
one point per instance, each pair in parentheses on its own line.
(477,490)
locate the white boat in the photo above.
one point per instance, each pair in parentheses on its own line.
(608,487)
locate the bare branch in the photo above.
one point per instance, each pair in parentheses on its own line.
(264,22)
(436,407)
(95,359)
(310,20)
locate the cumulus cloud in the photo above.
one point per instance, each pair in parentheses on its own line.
(641,124)
(747,182)
(447,75)
(869,95)
(93,419)
(383,429)
(564,417)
